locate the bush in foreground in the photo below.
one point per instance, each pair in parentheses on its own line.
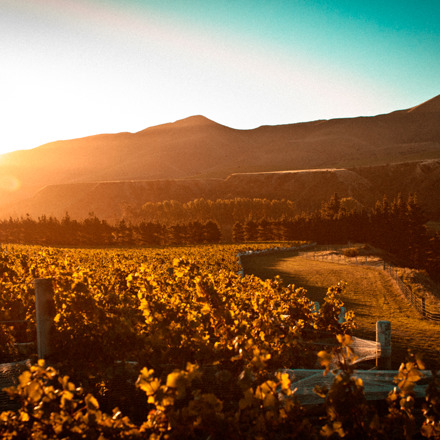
(198,403)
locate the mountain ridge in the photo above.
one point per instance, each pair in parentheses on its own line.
(199,148)
(432,105)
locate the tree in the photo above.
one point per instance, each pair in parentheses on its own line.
(212,232)
(250,230)
(238,232)
(332,208)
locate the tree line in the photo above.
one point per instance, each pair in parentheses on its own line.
(397,227)
(222,211)
(92,231)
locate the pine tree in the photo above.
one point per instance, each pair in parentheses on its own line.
(212,232)
(250,231)
(238,232)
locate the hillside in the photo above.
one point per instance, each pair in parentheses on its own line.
(308,188)
(199,149)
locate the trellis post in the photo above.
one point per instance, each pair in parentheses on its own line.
(341,317)
(45,313)
(383,340)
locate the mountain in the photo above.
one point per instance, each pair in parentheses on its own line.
(199,149)
(430,106)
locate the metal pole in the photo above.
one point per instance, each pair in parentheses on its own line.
(383,339)
(45,311)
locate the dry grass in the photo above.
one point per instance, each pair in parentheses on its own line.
(418,281)
(371,295)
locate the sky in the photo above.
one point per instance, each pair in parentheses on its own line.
(75,68)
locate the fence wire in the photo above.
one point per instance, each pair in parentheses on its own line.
(417,302)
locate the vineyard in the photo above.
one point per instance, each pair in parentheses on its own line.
(175,343)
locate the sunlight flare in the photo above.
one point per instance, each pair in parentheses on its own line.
(9,183)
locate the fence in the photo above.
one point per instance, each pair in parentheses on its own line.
(417,302)
(366,260)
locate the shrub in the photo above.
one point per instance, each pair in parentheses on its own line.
(351,252)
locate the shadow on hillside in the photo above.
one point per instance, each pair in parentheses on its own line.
(316,292)
(267,268)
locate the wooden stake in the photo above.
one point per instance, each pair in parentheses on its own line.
(45,311)
(383,338)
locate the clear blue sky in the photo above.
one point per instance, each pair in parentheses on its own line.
(76,68)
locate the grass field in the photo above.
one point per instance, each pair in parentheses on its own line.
(370,294)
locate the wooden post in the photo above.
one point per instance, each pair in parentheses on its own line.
(341,318)
(383,339)
(45,311)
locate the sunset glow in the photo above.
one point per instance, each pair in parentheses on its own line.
(9,183)
(74,69)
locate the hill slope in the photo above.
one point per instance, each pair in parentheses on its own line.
(308,188)
(197,147)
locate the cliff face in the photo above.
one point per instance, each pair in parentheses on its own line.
(308,188)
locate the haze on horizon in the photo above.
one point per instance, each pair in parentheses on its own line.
(74,69)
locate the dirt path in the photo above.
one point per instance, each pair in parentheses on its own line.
(371,294)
